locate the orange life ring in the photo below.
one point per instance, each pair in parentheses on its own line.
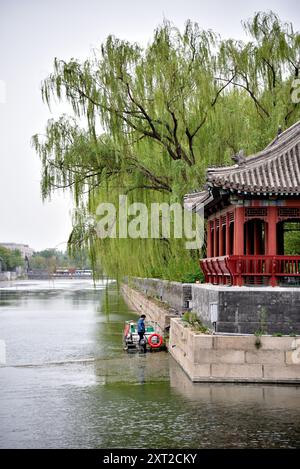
(158,344)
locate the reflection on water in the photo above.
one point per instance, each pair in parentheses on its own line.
(68,383)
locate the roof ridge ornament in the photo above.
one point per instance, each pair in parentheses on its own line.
(239,158)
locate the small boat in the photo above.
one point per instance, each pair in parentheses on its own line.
(152,339)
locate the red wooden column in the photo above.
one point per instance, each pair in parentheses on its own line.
(215,238)
(272,238)
(238,243)
(227,249)
(272,242)
(221,247)
(208,240)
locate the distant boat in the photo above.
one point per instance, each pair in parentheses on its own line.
(73,273)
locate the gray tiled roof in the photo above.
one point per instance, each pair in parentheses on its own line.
(274,171)
(191,201)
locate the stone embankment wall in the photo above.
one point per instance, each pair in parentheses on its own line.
(175,294)
(243,310)
(220,357)
(154,310)
(229,358)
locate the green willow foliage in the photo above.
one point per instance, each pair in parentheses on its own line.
(148,122)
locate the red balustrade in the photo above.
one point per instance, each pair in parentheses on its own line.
(250,269)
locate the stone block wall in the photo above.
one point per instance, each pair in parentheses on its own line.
(234,358)
(247,310)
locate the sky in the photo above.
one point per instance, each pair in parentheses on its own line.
(32,33)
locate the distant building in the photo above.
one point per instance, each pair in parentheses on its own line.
(24,249)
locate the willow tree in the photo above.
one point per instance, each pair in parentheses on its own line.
(154,118)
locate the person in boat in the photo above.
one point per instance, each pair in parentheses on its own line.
(141,327)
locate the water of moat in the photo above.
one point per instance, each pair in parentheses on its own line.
(68,383)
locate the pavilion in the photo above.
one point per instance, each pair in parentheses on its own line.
(250,207)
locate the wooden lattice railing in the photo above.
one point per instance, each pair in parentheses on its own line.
(255,270)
